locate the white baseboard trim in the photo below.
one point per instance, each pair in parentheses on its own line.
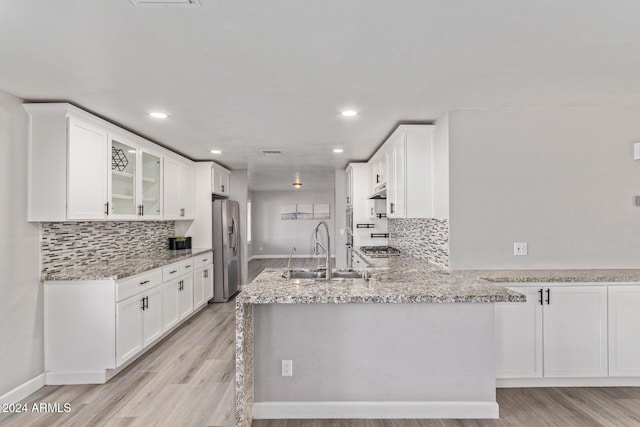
(64,378)
(23,390)
(377,410)
(568,382)
(287,256)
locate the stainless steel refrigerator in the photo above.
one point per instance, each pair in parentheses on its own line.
(226,249)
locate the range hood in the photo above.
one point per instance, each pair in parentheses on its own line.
(380,192)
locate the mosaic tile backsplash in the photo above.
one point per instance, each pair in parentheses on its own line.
(85,243)
(423,238)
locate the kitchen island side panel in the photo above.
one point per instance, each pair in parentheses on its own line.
(375,352)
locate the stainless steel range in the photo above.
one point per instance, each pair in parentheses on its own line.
(379,251)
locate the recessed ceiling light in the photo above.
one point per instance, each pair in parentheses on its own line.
(216,152)
(297,185)
(338,150)
(158,115)
(349,113)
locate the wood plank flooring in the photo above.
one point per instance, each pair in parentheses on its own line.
(188,380)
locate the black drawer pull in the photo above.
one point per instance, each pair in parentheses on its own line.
(187,266)
(144,283)
(205,259)
(173,271)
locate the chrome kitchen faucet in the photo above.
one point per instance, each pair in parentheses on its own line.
(317,243)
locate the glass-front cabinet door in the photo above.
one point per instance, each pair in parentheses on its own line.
(150,185)
(122,183)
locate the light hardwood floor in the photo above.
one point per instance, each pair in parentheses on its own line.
(188,380)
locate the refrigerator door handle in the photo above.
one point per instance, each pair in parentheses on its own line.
(233,236)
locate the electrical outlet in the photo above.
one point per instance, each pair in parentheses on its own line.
(520,248)
(287,368)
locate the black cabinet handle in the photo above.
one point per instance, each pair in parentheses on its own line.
(142,301)
(141,210)
(206,274)
(548,296)
(377,178)
(222,188)
(146,303)
(540,292)
(144,283)
(174,271)
(106,208)
(393,207)
(187,266)
(205,259)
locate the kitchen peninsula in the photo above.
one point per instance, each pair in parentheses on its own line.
(413,341)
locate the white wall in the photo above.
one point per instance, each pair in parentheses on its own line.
(273,236)
(441,168)
(563,180)
(21,308)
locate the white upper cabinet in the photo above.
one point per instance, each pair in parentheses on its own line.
(123,178)
(404,166)
(134,181)
(220,179)
(87,171)
(179,192)
(84,168)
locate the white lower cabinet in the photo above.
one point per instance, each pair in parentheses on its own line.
(624,331)
(152,316)
(575,331)
(94,327)
(519,336)
(170,310)
(185,296)
(138,323)
(177,300)
(561,331)
(202,285)
(129,328)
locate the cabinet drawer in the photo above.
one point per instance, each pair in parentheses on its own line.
(186,266)
(202,259)
(139,283)
(171,271)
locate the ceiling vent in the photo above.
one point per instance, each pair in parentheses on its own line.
(271,152)
(166,3)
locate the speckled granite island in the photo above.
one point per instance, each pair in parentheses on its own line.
(412,342)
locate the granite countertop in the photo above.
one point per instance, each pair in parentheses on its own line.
(121,267)
(406,280)
(558,276)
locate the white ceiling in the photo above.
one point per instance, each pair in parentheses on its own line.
(242,76)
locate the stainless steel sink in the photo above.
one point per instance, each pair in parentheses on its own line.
(349,275)
(305,274)
(322,274)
